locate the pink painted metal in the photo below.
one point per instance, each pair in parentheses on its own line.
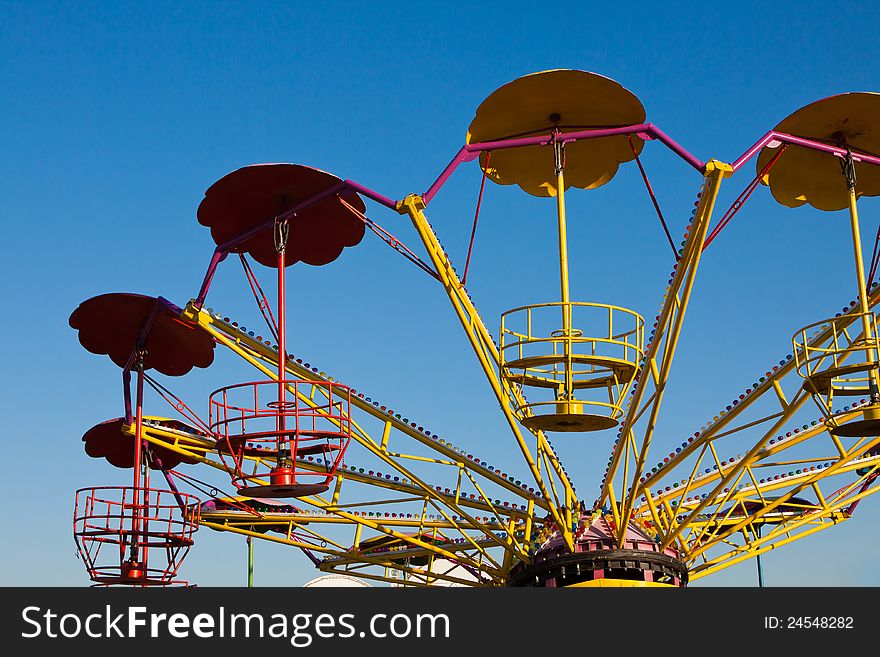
(812,144)
(643,130)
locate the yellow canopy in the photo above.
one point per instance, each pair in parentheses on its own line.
(569,100)
(802,175)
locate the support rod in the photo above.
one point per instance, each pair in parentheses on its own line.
(283,443)
(250,573)
(758,559)
(559,160)
(138,460)
(862,289)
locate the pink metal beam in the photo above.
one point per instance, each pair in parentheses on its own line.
(470,152)
(812,144)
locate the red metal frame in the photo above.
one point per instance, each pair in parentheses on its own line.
(269,431)
(133,536)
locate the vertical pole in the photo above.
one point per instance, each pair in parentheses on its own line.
(559,161)
(862,287)
(488,357)
(563,240)
(758,559)
(138,452)
(283,443)
(250,573)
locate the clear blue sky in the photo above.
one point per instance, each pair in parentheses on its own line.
(115,117)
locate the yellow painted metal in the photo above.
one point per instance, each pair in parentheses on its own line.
(790,525)
(771,383)
(756,491)
(193,443)
(735,554)
(563,100)
(753,549)
(340,554)
(672,305)
(669,327)
(417,578)
(706,532)
(279,519)
(811,478)
(727,478)
(714,475)
(566,395)
(822,363)
(868,322)
(717,529)
(801,175)
(826,364)
(563,239)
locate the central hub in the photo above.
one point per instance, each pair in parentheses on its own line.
(598,560)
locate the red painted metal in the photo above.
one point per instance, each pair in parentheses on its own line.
(467,262)
(743,197)
(653,196)
(282,443)
(391,240)
(269,444)
(181,407)
(115,552)
(136,518)
(259,297)
(137,332)
(111,324)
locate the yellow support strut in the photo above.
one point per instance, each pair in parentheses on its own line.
(683,280)
(862,288)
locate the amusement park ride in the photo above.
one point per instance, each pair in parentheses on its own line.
(361,490)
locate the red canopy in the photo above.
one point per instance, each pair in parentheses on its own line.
(111,324)
(254,195)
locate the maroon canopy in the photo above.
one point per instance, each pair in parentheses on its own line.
(254,195)
(111,324)
(107,440)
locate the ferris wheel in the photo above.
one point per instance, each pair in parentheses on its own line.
(296,456)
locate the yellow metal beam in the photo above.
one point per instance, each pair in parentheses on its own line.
(669,327)
(770,383)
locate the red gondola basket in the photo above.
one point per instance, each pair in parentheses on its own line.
(135,537)
(288,447)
